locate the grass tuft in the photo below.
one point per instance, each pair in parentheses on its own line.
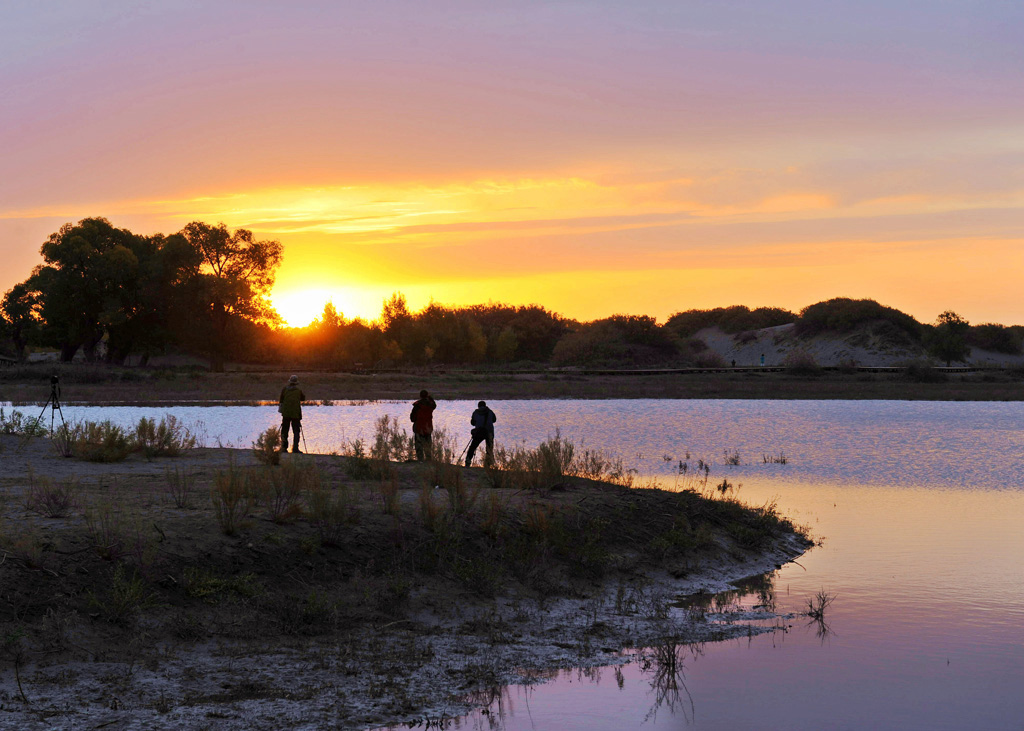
(267,447)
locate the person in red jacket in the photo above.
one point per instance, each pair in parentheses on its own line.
(422,418)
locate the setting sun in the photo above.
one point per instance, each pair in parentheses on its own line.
(301,307)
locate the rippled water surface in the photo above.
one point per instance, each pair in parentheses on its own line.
(922,508)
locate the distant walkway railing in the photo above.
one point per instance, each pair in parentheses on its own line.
(664,371)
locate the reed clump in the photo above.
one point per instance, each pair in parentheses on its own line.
(21,425)
(230,497)
(101,442)
(551,463)
(267,447)
(51,499)
(168,438)
(179,485)
(331,511)
(281,491)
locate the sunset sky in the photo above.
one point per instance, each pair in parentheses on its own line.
(594,157)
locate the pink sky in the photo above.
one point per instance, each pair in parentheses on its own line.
(594,157)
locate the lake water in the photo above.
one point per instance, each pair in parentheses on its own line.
(922,510)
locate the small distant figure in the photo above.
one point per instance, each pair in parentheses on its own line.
(734,363)
(290,407)
(483,420)
(422,418)
(762,360)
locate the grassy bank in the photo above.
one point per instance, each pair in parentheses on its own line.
(99,385)
(352,588)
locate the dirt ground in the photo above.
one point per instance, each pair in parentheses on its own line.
(125,603)
(86,384)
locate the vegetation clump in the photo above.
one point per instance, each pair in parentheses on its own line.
(169,438)
(733,320)
(100,442)
(267,447)
(843,314)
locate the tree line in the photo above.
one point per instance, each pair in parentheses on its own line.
(110,294)
(198,290)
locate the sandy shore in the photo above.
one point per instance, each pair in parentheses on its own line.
(445,652)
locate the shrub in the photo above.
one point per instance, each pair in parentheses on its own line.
(997,338)
(283,489)
(389,495)
(63,440)
(230,498)
(100,442)
(801,363)
(331,512)
(617,340)
(430,511)
(553,459)
(391,443)
(126,596)
(267,447)
(921,371)
(733,320)
(843,314)
(18,423)
(461,498)
(117,534)
(179,486)
(708,359)
(169,438)
(49,499)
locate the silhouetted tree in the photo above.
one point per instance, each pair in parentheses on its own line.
(20,311)
(617,340)
(948,338)
(137,316)
(230,284)
(87,264)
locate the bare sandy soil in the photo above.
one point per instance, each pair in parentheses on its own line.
(132,609)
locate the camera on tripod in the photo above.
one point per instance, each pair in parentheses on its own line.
(53,402)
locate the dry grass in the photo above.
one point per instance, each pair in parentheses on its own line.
(230,498)
(101,442)
(50,499)
(267,447)
(332,511)
(169,438)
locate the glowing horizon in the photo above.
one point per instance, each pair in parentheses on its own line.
(642,160)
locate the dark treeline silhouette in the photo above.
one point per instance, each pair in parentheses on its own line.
(202,289)
(109,294)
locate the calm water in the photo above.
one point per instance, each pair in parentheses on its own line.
(922,508)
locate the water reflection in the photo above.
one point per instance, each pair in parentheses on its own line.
(759,588)
(664,665)
(658,674)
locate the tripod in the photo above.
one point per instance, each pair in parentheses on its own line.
(54,403)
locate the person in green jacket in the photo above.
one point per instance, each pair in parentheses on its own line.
(290,406)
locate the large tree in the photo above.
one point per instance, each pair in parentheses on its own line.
(87,264)
(233,276)
(151,289)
